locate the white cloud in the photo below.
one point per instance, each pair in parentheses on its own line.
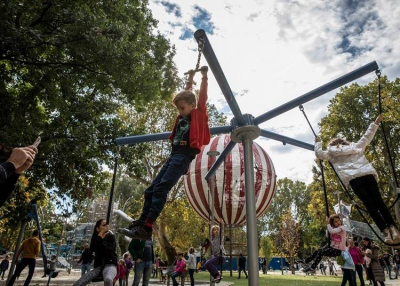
(274,51)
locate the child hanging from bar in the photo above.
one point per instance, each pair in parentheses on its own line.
(217,251)
(337,234)
(355,170)
(190,133)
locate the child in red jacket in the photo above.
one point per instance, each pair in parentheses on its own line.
(179,268)
(189,134)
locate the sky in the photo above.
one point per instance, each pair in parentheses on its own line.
(274,51)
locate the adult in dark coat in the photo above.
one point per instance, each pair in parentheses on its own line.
(375,272)
(104,246)
(242,265)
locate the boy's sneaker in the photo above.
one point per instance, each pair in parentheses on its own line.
(139,232)
(134,224)
(217,278)
(308,269)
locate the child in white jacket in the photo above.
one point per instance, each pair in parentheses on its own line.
(355,170)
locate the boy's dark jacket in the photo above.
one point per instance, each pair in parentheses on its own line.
(199,133)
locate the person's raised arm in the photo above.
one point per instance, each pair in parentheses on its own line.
(203,95)
(370,133)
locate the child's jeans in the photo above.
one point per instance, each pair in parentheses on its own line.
(212,263)
(155,196)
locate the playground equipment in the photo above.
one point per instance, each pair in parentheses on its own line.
(229,187)
(244,129)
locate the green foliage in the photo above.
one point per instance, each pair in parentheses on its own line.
(288,237)
(68,69)
(288,194)
(266,245)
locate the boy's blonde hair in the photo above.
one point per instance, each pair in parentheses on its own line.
(185,95)
(214,227)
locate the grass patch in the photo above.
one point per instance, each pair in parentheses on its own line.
(277,280)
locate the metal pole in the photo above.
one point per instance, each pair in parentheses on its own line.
(164,136)
(219,75)
(372,66)
(220,160)
(230,249)
(212,186)
(17,245)
(252,240)
(211,183)
(284,140)
(110,199)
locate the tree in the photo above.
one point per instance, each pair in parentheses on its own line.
(288,194)
(67,69)
(287,239)
(266,248)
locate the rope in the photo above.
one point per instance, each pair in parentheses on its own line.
(320,163)
(392,168)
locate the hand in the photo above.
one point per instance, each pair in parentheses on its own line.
(28,163)
(20,155)
(327,219)
(204,70)
(191,75)
(378,119)
(138,260)
(317,139)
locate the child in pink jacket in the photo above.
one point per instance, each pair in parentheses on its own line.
(179,268)
(337,244)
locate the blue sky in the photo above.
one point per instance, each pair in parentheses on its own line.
(274,51)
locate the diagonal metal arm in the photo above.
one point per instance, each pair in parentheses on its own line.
(372,66)
(219,75)
(284,140)
(220,159)
(164,136)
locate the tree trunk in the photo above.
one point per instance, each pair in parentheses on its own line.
(159,228)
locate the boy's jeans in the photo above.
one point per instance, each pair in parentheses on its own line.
(143,268)
(155,196)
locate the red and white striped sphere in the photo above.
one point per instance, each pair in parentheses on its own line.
(229,191)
